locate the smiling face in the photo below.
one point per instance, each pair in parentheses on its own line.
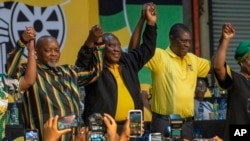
(180,40)
(113,50)
(48,51)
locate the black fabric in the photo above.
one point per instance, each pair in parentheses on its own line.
(101,95)
(238,101)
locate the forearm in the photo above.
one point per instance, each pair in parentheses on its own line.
(115,137)
(136,36)
(220,58)
(123,137)
(84,57)
(220,55)
(149,40)
(92,68)
(30,74)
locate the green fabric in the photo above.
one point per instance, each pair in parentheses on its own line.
(242,51)
(3,107)
(7,86)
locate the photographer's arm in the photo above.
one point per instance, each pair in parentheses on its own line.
(125,135)
(111,128)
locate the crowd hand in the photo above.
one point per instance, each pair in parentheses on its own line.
(51,132)
(83,134)
(216,138)
(29,34)
(228,31)
(95,36)
(151,13)
(125,135)
(111,127)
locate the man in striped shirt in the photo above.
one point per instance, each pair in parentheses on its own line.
(56,89)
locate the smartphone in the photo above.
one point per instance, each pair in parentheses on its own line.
(96,124)
(69,121)
(155,137)
(31,135)
(135,123)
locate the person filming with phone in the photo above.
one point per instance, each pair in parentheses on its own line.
(52,133)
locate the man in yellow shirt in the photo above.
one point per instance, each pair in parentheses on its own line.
(174,75)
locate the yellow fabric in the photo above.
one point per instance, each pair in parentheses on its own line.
(146,87)
(21,138)
(147,114)
(208,93)
(124,101)
(174,81)
(11,99)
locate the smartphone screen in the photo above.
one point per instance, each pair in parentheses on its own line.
(31,135)
(135,123)
(69,121)
(155,137)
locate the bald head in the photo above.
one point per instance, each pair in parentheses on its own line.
(44,40)
(48,51)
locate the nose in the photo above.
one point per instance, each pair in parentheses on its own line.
(53,52)
(117,48)
(187,43)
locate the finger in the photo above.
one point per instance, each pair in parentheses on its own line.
(65,131)
(82,130)
(54,121)
(48,123)
(111,120)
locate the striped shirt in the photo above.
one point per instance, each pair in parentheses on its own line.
(56,90)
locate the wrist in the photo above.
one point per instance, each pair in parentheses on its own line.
(31,53)
(20,44)
(89,43)
(22,40)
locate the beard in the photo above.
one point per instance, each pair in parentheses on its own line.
(53,64)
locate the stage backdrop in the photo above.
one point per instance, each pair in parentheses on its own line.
(70,20)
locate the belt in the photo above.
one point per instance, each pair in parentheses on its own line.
(167,117)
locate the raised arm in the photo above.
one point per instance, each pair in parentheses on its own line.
(29,77)
(219,59)
(90,56)
(85,54)
(26,73)
(136,35)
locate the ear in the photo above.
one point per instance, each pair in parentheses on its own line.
(171,37)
